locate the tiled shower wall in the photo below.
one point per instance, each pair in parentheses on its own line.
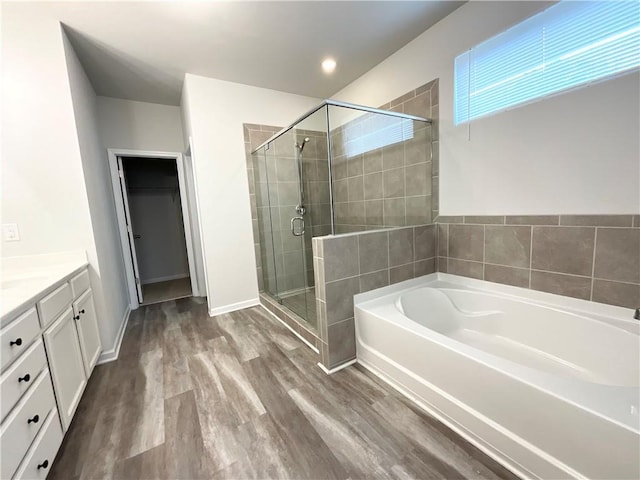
(393,185)
(592,257)
(283,257)
(273,203)
(405,252)
(255,135)
(424,101)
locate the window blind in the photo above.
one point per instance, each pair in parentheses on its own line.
(567,45)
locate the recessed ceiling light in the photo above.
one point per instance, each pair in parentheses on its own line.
(328,65)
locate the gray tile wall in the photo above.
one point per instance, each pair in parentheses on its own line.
(592,257)
(255,135)
(396,185)
(371,197)
(346,265)
(316,175)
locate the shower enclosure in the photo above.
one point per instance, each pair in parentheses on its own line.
(339,169)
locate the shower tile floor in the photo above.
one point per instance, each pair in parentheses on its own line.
(304,305)
(238,396)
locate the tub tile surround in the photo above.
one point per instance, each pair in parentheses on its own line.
(592,257)
(346,265)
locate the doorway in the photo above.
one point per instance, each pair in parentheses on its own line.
(153,215)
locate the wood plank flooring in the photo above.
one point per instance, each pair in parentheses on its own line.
(238,396)
(164,291)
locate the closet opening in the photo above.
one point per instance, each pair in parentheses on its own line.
(153,215)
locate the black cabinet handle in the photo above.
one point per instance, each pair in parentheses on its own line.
(76,318)
(17,341)
(82,311)
(44,464)
(35,419)
(26,378)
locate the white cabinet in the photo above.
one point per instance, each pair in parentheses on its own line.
(80,283)
(23,424)
(88,334)
(15,338)
(66,364)
(37,462)
(17,380)
(54,304)
(63,318)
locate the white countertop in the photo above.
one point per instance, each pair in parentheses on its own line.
(24,280)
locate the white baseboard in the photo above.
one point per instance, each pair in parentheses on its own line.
(233,307)
(338,368)
(112,354)
(164,279)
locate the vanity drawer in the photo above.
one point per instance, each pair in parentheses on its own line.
(20,376)
(54,304)
(80,283)
(23,424)
(16,337)
(37,463)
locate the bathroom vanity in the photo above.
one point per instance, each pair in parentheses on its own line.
(49,345)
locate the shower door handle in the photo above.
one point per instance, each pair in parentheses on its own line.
(293,226)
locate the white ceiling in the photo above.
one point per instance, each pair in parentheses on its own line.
(141,50)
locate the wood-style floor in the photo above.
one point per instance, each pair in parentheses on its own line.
(163,291)
(238,396)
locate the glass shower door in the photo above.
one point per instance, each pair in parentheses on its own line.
(292,193)
(289,218)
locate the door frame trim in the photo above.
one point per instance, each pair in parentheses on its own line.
(113,154)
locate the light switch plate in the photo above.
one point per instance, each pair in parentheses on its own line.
(10,232)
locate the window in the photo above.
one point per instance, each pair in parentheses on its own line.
(373,131)
(567,45)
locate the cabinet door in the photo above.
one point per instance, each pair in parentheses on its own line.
(65,363)
(88,334)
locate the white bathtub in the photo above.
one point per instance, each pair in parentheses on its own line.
(547,385)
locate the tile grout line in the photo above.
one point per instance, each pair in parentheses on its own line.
(448,247)
(593,262)
(616,281)
(530,255)
(388,259)
(437,246)
(560,273)
(484,250)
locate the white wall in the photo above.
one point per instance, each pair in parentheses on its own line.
(140,125)
(575,153)
(42,182)
(43,179)
(215,111)
(105,254)
(127,124)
